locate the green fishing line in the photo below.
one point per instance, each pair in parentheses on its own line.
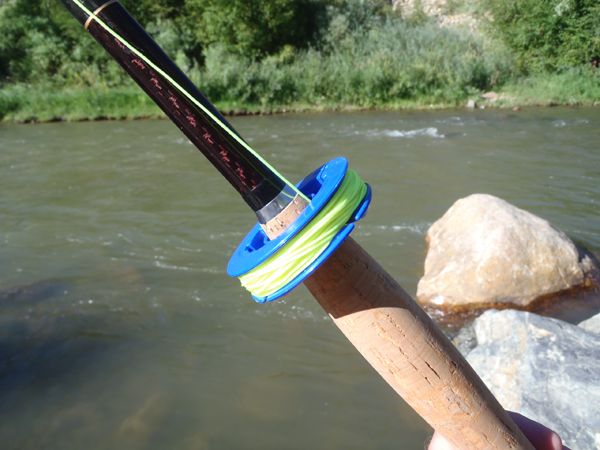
(306,246)
(188,95)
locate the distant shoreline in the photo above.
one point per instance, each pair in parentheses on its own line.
(161,116)
(35,104)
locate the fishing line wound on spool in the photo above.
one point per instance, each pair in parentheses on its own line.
(304,248)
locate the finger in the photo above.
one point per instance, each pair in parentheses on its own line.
(438,442)
(541,437)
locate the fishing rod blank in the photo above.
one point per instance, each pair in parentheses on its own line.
(263,190)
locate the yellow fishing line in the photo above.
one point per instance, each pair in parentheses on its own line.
(306,246)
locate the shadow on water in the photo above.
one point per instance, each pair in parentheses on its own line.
(31,293)
(75,374)
(39,343)
(51,359)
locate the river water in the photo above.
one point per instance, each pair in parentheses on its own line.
(119,327)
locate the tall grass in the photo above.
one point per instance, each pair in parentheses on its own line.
(389,64)
(393,63)
(24,103)
(577,86)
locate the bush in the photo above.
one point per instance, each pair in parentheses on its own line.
(548,35)
(41,42)
(256,28)
(392,62)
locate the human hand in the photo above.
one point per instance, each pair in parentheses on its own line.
(541,437)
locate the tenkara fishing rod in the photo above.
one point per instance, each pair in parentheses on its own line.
(303,236)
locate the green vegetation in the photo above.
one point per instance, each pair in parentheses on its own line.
(259,55)
(20,103)
(256,28)
(548,35)
(579,86)
(389,64)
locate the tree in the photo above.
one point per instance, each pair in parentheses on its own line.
(548,34)
(255,28)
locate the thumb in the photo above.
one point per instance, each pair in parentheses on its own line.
(541,437)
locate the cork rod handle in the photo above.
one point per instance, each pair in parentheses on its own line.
(410,352)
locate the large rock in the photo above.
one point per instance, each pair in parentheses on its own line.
(485,252)
(437,9)
(592,324)
(545,369)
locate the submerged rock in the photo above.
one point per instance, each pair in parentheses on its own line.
(138,428)
(31,293)
(545,369)
(485,252)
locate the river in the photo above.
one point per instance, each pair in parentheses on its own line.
(119,327)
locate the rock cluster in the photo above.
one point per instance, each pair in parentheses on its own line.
(485,252)
(545,369)
(439,10)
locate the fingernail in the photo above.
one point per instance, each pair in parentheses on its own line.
(556,442)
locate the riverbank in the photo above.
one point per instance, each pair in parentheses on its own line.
(23,104)
(349,55)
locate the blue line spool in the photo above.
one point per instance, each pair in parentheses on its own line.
(319,187)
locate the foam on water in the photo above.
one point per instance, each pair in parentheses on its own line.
(419,228)
(430,132)
(169,266)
